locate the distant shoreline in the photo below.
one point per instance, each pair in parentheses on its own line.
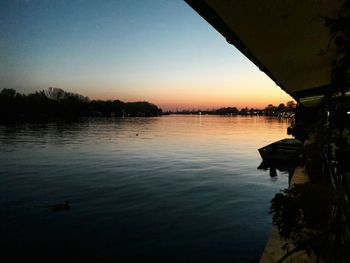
(57,104)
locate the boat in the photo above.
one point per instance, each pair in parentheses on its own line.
(285,150)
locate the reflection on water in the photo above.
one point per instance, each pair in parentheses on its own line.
(174,188)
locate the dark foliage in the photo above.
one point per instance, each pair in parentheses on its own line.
(227,111)
(339,32)
(313,163)
(57,103)
(302,213)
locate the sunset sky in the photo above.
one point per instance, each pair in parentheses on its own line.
(160,51)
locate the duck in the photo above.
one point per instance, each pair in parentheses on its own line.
(60,207)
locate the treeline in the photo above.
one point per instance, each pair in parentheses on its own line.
(55,103)
(285,110)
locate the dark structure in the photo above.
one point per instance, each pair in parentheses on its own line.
(304,47)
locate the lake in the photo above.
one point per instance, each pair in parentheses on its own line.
(166,189)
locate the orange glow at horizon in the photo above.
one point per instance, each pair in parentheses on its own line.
(248,91)
(206,100)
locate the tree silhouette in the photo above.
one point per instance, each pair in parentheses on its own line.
(56,103)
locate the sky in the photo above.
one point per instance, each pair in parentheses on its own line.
(159,51)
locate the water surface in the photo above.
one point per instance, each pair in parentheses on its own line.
(166,189)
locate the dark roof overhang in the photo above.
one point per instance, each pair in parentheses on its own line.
(284,39)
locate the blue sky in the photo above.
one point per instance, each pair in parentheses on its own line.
(161,51)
